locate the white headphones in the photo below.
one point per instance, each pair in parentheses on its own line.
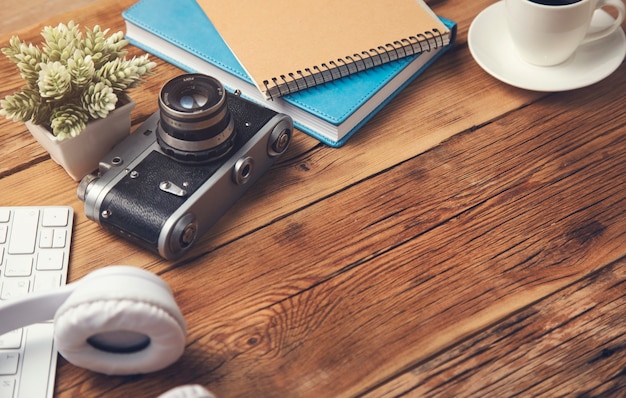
(117,320)
(188,391)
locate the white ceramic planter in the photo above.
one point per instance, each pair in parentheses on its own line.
(80,155)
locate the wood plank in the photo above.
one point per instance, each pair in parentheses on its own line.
(16,15)
(569,344)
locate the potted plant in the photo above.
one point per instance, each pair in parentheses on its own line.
(74,101)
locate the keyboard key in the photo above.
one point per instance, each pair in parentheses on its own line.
(11,340)
(38,360)
(5,214)
(59,238)
(7,387)
(25,224)
(55,217)
(46,281)
(14,288)
(45,238)
(19,266)
(8,362)
(50,259)
(4,232)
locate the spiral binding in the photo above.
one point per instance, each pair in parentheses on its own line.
(351,64)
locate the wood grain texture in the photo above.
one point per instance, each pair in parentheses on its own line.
(16,15)
(468,241)
(572,343)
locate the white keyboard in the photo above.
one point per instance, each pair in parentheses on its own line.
(34,256)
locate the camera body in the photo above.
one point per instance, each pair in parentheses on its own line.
(164,189)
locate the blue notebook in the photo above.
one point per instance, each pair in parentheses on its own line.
(180,33)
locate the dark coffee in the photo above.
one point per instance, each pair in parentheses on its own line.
(555,2)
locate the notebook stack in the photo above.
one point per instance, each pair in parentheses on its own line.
(331,75)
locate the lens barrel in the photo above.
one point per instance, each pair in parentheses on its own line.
(195,124)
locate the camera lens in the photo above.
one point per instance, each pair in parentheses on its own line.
(195,123)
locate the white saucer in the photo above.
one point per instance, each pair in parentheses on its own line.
(490,44)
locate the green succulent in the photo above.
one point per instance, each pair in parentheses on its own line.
(72,78)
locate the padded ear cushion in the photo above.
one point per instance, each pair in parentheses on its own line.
(188,391)
(120,320)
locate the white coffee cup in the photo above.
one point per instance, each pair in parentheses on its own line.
(548,32)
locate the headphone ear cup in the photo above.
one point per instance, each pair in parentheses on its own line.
(188,391)
(120,320)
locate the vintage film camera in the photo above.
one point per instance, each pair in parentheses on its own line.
(169,181)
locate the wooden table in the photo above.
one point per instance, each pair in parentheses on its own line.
(470,240)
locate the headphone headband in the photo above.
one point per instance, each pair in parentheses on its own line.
(33,308)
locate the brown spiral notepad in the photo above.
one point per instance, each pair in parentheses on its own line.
(293,45)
